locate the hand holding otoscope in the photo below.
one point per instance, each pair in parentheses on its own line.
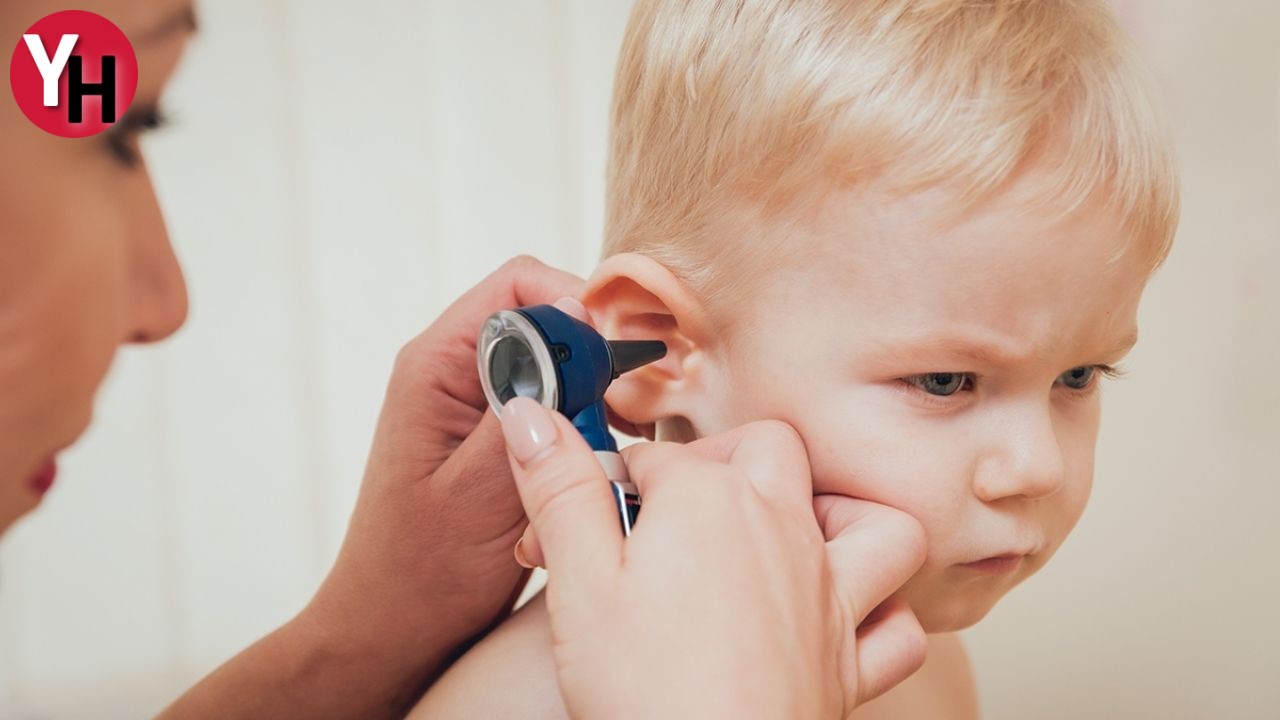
(727,600)
(542,353)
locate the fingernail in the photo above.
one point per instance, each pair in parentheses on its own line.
(572,306)
(528,429)
(519,553)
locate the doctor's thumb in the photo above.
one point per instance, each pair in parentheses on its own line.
(564,490)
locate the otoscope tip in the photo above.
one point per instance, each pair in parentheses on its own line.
(631,354)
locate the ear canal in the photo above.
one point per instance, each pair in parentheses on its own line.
(631,354)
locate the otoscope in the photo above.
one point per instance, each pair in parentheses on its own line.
(561,362)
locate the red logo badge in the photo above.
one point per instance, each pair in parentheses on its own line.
(74,74)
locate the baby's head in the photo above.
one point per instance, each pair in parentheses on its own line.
(918,231)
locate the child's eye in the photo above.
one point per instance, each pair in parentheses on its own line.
(1080,378)
(1077,378)
(946,384)
(941,384)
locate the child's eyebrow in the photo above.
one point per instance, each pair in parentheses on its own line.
(988,351)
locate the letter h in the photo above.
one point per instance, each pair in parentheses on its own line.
(78,89)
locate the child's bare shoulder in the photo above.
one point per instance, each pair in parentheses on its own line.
(943,689)
(510,673)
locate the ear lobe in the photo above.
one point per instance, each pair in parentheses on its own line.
(633,297)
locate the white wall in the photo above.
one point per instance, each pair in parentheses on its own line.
(326,214)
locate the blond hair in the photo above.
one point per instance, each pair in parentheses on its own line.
(721,101)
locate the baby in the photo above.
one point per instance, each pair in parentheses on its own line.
(916,230)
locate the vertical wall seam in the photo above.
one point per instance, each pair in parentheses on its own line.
(316,481)
(565,134)
(179,647)
(12,689)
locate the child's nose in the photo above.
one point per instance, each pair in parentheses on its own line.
(1026,459)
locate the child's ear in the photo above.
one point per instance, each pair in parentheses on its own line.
(633,297)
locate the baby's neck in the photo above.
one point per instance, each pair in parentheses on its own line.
(675,429)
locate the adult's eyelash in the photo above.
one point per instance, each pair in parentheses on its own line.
(122,138)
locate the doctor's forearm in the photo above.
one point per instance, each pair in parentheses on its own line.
(305,669)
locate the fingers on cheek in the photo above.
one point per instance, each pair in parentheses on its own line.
(889,649)
(528,550)
(648,463)
(909,535)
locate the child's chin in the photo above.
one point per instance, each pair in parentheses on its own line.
(947,610)
(944,620)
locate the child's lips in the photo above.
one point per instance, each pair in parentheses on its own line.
(998,564)
(42,480)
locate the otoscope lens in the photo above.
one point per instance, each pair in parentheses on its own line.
(513,370)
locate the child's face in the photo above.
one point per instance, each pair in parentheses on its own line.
(931,363)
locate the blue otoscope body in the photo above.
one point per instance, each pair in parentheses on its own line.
(544,354)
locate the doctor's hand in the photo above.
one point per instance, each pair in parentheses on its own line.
(727,600)
(427,564)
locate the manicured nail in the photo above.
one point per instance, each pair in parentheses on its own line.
(519,553)
(571,306)
(528,429)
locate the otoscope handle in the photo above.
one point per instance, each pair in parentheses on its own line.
(625,494)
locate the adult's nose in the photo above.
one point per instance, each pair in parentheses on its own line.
(158,291)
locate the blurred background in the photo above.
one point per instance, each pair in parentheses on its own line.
(323,225)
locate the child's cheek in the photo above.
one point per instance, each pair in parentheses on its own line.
(871,460)
(1061,512)
(1069,506)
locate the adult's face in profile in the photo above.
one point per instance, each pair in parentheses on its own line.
(85,259)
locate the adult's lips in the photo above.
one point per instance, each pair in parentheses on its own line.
(42,480)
